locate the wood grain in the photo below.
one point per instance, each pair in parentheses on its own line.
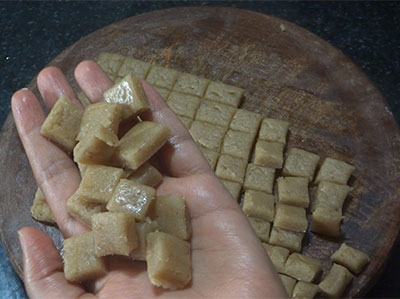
(333,108)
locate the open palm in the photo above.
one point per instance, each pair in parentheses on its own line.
(227,258)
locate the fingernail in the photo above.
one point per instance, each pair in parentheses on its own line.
(24,88)
(21,240)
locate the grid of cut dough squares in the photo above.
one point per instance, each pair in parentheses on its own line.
(228,137)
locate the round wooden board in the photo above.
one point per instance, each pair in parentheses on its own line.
(287,72)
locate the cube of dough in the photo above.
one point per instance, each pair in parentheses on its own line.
(211,156)
(97,115)
(273,130)
(215,113)
(98,147)
(82,168)
(224,93)
(258,204)
(259,178)
(207,135)
(185,121)
(110,63)
(83,99)
(300,163)
(172,216)
(261,228)
(80,260)
(305,290)
(290,218)
(302,267)
(146,175)
(142,230)
(114,233)
(330,196)
(246,121)
(62,124)
(231,168)
(336,281)
(168,261)
(233,188)
(141,142)
(164,93)
(130,93)
(135,67)
(326,222)
(293,191)
(287,239)
(82,210)
(269,154)
(237,144)
(131,197)
(191,84)
(183,104)
(288,283)
(335,171)
(162,77)
(40,209)
(278,256)
(351,258)
(98,183)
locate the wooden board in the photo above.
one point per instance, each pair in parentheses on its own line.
(288,73)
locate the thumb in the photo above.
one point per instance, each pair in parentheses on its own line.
(43,267)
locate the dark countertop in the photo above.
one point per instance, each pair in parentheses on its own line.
(33,33)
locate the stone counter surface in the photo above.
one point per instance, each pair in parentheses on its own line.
(33,33)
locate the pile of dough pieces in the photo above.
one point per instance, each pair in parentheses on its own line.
(116,198)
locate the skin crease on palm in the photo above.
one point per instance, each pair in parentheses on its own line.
(227,257)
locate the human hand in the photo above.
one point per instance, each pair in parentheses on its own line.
(227,257)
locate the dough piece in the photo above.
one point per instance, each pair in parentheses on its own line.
(246,121)
(61,126)
(82,210)
(233,188)
(237,144)
(80,260)
(168,261)
(183,104)
(131,197)
(98,183)
(300,163)
(273,130)
(351,258)
(259,178)
(278,256)
(330,196)
(293,191)
(130,93)
(335,171)
(269,154)
(305,290)
(40,209)
(83,99)
(287,239)
(326,222)
(82,168)
(143,229)
(97,115)
(146,175)
(110,63)
(231,168)
(259,205)
(211,156)
(191,84)
(302,267)
(336,281)
(215,113)
(172,216)
(114,233)
(288,283)
(135,67)
(164,93)
(223,93)
(261,228)
(207,135)
(141,142)
(290,218)
(162,77)
(185,121)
